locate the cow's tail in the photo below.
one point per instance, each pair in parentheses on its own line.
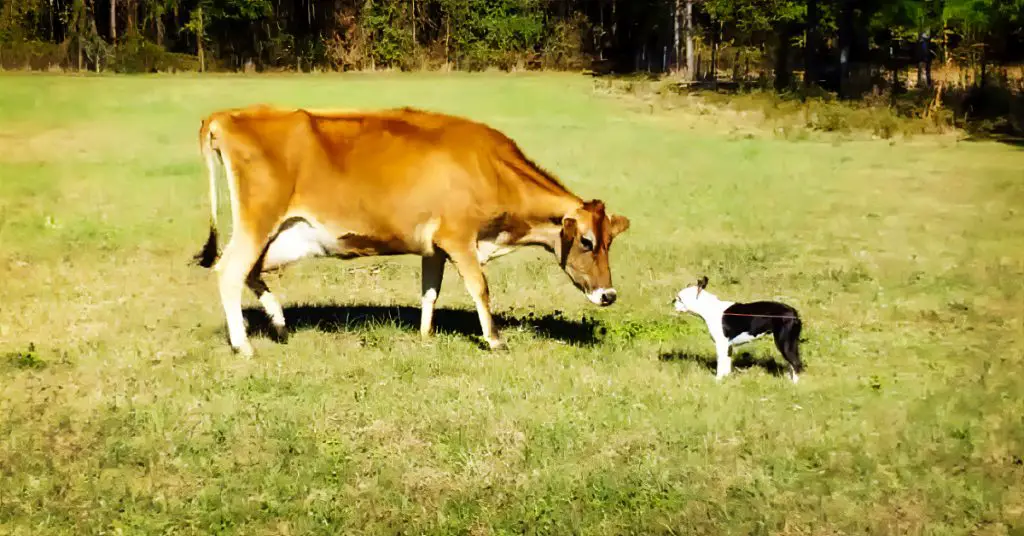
(208,256)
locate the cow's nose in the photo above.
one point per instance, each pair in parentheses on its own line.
(608,297)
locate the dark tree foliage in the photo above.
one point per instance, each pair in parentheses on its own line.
(847,46)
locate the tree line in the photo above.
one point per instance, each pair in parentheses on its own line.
(844,45)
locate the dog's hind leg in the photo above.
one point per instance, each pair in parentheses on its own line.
(787,340)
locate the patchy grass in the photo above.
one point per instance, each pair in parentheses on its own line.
(123,410)
(791,117)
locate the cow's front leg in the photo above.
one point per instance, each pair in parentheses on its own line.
(433,273)
(472,273)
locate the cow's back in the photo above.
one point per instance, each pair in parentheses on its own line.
(396,170)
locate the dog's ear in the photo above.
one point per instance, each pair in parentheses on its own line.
(702,283)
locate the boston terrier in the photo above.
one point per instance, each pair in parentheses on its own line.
(732,324)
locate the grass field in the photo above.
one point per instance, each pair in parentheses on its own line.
(123,411)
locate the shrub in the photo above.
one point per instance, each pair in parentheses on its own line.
(564,46)
(137,55)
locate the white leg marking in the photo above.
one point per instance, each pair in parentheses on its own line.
(431,277)
(273,308)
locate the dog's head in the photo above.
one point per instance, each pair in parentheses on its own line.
(687,299)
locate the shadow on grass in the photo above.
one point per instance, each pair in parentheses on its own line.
(464,322)
(742,361)
(1006,139)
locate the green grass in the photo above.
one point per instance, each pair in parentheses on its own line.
(122,409)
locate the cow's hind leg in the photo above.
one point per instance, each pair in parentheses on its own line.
(432,275)
(472,273)
(232,269)
(270,304)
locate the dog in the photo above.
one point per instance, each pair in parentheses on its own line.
(732,324)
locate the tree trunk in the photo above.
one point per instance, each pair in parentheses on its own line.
(845,39)
(677,15)
(615,24)
(113,21)
(713,74)
(414,24)
(159,23)
(928,62)
(133,17)
(199,40)
(983,81)
(948,60)
(782,72)
(94,33)
(923,80)
(691,67)
(894,71)
(811,45)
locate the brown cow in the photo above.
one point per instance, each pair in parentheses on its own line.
(347,184)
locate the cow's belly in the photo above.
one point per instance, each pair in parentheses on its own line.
(299,238)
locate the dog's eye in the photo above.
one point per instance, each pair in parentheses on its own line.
(586,243)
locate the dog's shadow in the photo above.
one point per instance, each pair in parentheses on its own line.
(742,361)
(463,322)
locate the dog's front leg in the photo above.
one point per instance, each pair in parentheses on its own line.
(724,350)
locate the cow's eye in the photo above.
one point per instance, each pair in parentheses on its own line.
(586,243)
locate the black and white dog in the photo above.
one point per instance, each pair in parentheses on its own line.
(732,324)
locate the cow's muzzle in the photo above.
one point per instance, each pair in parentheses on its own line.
(602,296)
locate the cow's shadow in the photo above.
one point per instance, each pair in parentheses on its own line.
(463,322)
(741,361)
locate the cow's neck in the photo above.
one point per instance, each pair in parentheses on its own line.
(544,217)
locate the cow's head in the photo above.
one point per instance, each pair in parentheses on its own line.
(586,237)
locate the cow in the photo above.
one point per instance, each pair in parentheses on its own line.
(355,183)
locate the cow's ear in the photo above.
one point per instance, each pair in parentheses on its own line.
(702,283)
(619,224)
(569,229)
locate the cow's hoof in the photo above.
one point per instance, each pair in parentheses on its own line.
(245,350)
(279,334)
(497,345)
